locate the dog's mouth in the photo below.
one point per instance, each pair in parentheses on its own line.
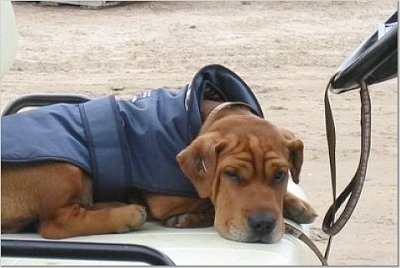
(244,237)
(269,239)
(247,233)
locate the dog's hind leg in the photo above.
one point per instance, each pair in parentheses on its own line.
(58,195)
(64,214)
(75,220)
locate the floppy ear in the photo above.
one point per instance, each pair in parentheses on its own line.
(199,161)
(296,149)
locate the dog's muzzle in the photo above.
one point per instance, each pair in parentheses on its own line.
(263,228)
(261,224)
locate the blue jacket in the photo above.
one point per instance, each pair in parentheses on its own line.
(123,144)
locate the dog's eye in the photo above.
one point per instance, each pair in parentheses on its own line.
(280,177)
(233,175)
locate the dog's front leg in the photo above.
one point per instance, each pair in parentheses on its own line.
(181,212)
(297,209)
(200,219)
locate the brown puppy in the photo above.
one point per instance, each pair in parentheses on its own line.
(239,165)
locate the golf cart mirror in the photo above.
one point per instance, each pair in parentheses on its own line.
(374,61)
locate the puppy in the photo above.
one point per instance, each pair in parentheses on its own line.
(232,166)
(239,165)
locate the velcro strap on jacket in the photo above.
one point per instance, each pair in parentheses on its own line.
(107,150)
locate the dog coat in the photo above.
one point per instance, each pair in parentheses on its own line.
(123,144)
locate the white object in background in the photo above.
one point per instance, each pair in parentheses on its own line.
(8,36)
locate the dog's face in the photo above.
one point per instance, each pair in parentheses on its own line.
(242,164)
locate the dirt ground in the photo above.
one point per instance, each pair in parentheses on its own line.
(285,51)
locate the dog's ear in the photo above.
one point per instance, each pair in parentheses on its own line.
(199,161)
(296,148)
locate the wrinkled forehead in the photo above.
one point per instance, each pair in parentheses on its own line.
(258,140)
(251,129)
(250,147)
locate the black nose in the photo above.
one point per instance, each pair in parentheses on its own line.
(261,223)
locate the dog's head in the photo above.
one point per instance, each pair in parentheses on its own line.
(242,163)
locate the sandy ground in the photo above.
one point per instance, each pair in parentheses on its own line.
(285,51)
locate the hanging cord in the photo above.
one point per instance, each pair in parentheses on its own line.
(353,189)
(290,229)
(330,226)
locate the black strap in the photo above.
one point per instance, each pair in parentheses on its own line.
(83,251)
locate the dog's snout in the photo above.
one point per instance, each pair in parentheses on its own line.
(261,223)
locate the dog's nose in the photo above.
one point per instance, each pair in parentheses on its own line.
(261,223)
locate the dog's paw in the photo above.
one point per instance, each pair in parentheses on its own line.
(299,211)
(131,217)
(189,220)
